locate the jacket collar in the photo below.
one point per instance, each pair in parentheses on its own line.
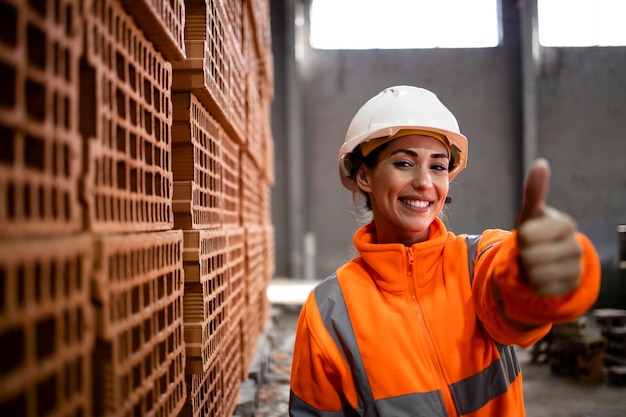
(389,263)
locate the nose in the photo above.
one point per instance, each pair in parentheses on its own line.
(422,179)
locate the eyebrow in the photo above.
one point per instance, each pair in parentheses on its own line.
(414,154)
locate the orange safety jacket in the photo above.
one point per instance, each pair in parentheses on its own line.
(418,331)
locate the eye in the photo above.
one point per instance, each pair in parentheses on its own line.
(402,164)
(439,167)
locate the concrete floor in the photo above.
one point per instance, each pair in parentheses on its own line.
(546,394)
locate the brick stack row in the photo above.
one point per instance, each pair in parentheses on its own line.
(573,349)
(577,351)
(612,324)
(135,172)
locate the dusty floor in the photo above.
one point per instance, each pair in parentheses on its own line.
(547,395)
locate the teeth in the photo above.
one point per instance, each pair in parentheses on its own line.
(416,203)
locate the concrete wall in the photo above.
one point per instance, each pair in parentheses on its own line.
(581,130)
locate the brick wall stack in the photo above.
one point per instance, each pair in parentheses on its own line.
(576,351)
(136,242)
(612,324)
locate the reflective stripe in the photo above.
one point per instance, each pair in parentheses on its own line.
(474,392)
(332,307)
(421,404)
(298,408)
(472,248)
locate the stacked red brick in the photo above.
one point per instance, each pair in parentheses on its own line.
(577,351)
(222,178)
(126,123)
(612,323)
(135,236)
(46,316)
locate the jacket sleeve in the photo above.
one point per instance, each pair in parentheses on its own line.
(320,379)
(509,308)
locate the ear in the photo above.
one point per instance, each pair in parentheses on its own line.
(363,179)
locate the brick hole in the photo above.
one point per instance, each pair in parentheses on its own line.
(137,378)
(7,150)
(148,121)
(66,112)
(158,184)
(15,406)
(157,130)
(137,410)
(120,64)
(149,183)
(121,103)
(68,387)
(147,330)
(122,347)
(135,300)
(8,29)
(87,100)
(26,204)
(120,139)
(147,366)
(134,182)
(133,146)
(132,77)
(35,105)
(65,160)
(157,100)
(36,40)
(162,352)
(79,376)
(57,62)
(47,396)
(61,111)
(39,6)
(160,287)
(12,348)
(79,325)
(38,283)
(147,297)
(133,111)
(135,339)
(149,401)
(45,338)
(3,290)
(172,372)
(34,155)
(161,321)
(147,91)
(121,175)
(54,203)
(147,152)
(163,385)
(67,328)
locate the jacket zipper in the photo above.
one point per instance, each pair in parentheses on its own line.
(445,391)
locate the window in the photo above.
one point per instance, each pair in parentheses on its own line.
(404,24)
(581,22)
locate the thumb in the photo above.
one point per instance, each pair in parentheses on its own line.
(535,191)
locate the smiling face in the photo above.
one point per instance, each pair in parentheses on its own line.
(407,188)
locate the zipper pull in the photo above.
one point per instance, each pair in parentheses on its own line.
(409,253)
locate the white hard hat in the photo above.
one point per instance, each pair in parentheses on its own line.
(403,108)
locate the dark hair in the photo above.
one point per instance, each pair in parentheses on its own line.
(356,160)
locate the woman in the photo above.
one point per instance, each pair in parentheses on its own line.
(423,322)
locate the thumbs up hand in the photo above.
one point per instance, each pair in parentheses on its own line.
(549,253)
